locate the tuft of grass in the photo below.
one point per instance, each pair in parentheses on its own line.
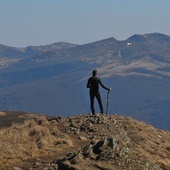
(35,138)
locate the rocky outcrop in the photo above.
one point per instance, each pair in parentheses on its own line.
(106,154)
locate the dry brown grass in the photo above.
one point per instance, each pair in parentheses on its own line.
(32,139)
(2,113)
(136,145)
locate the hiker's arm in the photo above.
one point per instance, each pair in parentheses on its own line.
(104,86)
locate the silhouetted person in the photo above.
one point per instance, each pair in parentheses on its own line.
(93,84)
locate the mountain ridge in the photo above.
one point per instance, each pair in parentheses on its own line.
(137,72)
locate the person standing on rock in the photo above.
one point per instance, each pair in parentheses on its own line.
(93,84)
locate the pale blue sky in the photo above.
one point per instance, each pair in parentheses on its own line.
(41,22)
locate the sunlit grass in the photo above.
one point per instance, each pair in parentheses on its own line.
(32,139)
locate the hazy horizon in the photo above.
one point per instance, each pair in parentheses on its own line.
(25,23)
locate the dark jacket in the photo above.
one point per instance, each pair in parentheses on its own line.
(93,84)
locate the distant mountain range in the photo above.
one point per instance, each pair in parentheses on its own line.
(51,79)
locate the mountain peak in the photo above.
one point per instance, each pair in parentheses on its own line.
(106,41)
(152,37)
(137,38)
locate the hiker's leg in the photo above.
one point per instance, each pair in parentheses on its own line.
(100,102)
(92,103)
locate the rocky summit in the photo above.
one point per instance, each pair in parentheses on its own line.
(82,142)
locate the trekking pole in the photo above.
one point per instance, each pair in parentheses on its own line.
(107,106)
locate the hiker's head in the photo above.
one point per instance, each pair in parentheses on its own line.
(94,72)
